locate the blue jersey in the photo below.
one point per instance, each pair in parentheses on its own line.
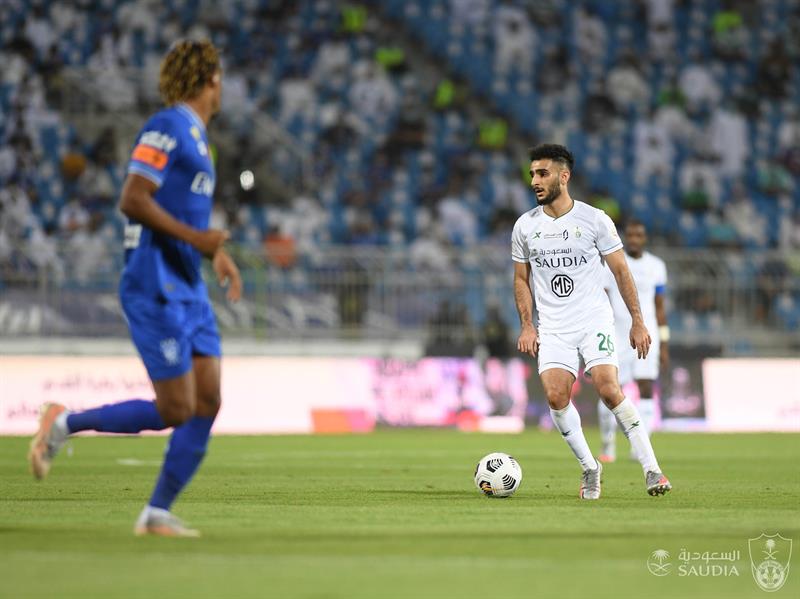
(171,151)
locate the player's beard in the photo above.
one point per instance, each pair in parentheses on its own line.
(551,196)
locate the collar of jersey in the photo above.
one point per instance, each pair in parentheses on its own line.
(188,111)
(562,216)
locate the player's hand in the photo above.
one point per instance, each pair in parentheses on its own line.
(227,274)
(640,340)
(209,241)
(528,342)
(663,356)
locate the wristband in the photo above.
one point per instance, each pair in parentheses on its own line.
(663,333)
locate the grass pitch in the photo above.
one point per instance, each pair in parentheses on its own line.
(394,514)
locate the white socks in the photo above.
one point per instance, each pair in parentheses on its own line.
(568,423)
(647,409)
(631,422)
(608,426)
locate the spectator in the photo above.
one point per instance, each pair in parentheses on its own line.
(471,13)
(297,97)
(774,71)
(729,36)
(372,95)
(729,140)
(514,40)
(599,114)
(73,217)
(591,36)
(654,150)
(606,202)
(699,184)
(279,248)
(496,334)
(626,85)
(770,283)
(449,332)
(698,86)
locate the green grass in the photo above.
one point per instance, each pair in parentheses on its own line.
(393,514)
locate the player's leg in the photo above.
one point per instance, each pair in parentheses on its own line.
(157,331)
(646,373)
(604,378)
(188,444)
(558,367)
(606,420)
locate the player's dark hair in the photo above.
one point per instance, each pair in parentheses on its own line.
(634,222)
(554,152)
(186,69)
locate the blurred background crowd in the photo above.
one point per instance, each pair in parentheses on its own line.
(371,156)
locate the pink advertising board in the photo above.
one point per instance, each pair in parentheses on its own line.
(286,395)
(751,395)
(260,395)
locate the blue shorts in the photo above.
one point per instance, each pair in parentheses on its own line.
(167,334)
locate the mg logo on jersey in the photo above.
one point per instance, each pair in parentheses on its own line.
(562,285)
(203,184)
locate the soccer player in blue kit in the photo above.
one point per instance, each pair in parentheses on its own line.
(167,197)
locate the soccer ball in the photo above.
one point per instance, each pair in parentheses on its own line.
(498,475)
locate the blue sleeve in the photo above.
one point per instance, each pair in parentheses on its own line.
(156,150)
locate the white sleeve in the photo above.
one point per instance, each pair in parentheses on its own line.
(607,240)
(661,276)
(519,249)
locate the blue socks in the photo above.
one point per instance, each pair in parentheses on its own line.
(185,451)
(129,416)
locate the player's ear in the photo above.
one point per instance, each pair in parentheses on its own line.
(565,173)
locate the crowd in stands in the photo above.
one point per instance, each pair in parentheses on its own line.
(683,113)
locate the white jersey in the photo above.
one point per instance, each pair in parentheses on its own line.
(650,275)
(564,254)
(622,318)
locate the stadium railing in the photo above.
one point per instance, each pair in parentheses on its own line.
(743,303)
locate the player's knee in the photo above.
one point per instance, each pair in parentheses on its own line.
(175,413)
(645,388)
(557,396)
(609,392)
(208,403)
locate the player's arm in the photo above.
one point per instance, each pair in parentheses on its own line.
(528,342)
(663,327)
(138,203)
(639,337)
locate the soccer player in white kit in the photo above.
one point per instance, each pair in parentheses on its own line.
(650,275)
(560,243)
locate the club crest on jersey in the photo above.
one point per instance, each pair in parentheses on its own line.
(578,233)
(170,350)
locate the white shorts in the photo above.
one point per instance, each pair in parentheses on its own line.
(596,345)
(626,356)
(647,369)
(631,368)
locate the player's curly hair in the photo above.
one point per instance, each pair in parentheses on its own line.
(554,152)
(186,69)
